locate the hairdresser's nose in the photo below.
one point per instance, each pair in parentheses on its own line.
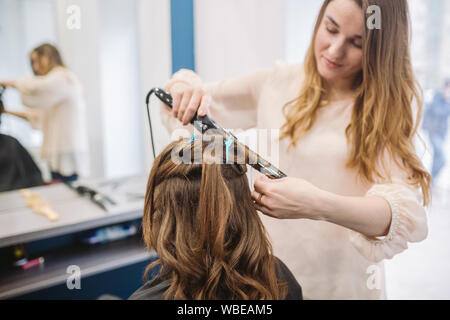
(336,50)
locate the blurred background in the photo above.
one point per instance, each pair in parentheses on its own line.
(122,48)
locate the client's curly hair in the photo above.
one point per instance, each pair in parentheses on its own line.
(200,220)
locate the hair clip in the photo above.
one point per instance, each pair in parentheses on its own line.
(228,143)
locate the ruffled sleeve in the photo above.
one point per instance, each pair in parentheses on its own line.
(234,102)
(408,223)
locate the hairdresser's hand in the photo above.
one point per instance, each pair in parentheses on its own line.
(7,84)
(187,100)
(287,198)
(28,116)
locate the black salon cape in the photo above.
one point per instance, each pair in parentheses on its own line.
(157,290)
(17,169)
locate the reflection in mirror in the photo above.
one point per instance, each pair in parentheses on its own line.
(54,103)
(85,118)
(23,25)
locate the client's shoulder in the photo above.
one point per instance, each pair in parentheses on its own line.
(284,274)
(151,290)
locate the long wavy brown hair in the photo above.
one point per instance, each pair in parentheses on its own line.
(200,219)
(52,53)
(383,120)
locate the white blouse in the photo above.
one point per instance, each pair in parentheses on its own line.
(56,106)
(328,260)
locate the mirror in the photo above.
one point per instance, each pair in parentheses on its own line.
(105,46)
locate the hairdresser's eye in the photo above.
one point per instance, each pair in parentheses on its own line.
(357,44)
(331,30)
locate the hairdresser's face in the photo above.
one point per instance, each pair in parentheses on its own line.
(337,47)
(39,64)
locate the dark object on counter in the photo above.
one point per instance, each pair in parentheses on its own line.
(95,197)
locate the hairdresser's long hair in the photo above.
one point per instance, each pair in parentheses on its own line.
(52,53)
(383,117)
(200,219)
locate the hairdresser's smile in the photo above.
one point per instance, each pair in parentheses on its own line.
(331,65)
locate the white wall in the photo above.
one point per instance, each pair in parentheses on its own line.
(80,50)
(300,19)
(24,24)
(120,52)
(234,37)
(155,58)
(119,79)
(38,22)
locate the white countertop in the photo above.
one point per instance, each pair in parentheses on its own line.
(19,223)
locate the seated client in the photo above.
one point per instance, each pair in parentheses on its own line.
(17,168)
(200,219)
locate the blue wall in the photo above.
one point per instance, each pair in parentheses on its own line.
(182,22)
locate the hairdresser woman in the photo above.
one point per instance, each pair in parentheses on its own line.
(54,97)
(356,190)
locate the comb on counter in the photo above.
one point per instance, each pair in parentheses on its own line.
(38,205)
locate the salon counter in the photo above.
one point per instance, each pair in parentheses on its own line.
(20,225)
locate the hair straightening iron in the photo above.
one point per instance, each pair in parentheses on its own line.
(204,123)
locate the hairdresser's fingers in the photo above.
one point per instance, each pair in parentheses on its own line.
(6,84)
(193,106)
(204,106)
(184,103)
(177,90)
(167,89)
(261,199)
(264,210)
(176,99)
(261,184)
(255,195)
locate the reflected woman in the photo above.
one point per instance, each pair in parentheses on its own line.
(55,104)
